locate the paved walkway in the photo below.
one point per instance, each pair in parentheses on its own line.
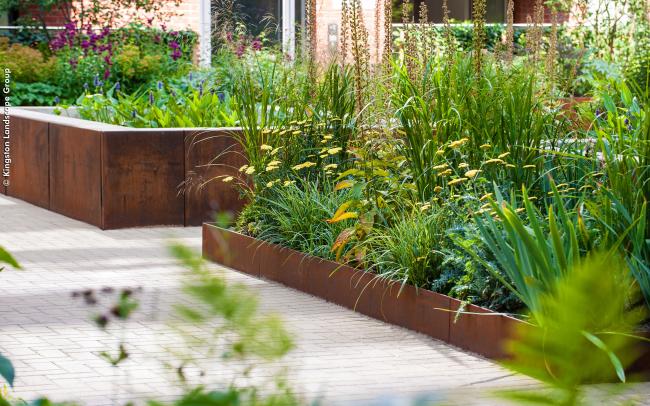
(341,357)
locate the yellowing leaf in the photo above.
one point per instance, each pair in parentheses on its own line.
(341,213)
(344,216)
(344,184)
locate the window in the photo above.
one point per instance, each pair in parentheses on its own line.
(496,11)
(459,10)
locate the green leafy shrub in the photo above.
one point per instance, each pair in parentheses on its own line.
(27,65)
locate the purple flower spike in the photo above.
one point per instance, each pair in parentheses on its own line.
(256,44)
(239,51)
(118,86)
(107,74)
(151,98)
(160,85)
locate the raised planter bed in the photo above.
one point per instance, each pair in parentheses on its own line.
(115,177)
(419,310)
(476,329)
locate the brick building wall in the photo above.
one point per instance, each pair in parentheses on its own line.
(525,8)
(55,18)
(186,15)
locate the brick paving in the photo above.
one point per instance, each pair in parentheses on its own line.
(341,357)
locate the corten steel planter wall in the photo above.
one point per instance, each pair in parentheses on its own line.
(116,177)
(478,330)
(420,310)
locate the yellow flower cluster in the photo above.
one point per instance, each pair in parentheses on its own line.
(303,165)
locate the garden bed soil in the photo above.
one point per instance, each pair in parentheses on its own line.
(474,329)
(116,177)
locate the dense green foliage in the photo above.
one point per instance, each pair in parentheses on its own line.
(80,59)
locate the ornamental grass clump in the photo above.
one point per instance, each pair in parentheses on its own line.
(409,251)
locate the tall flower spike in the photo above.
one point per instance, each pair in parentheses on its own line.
(360,50)
(310,29)
(410,49)
(478,16)
(536,31)
(425,38)
(388,33)
(378,27)
(345,31)
(449,37)
(510,31)
(551,55)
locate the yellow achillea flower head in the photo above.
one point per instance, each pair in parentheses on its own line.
(227,179)
(303,165)
(458,143)
(456,181)
(472,173)
(265,147)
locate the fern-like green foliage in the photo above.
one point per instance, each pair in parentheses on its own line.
(585,332)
